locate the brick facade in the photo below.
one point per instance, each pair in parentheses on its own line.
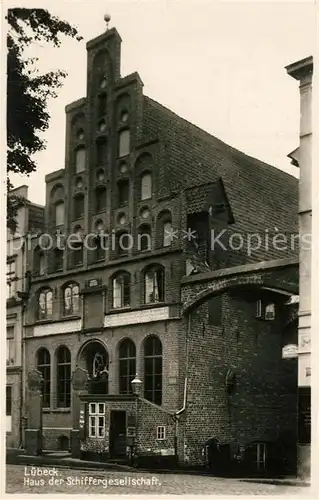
(196,181)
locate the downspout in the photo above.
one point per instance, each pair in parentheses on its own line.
(179,412)
(22,350)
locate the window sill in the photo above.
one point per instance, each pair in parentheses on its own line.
(160,303)
(56,410)
(115,310)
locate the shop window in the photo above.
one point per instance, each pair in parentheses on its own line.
(153,366)
(127,365)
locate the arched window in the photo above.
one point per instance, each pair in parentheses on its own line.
(59,213)
(38,262)
(45,304)
(101,151)
(127,365)
(78,206)
(100,199)
(121,290)
(44,366)
(124,143)
(80,159)
(57,259)
(167,234)
(71,299)
(123,187)
(144,239)
(154,284)
(63,358)
(146,186)
(153,369)
(164,230)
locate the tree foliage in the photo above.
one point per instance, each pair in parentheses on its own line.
(28,91)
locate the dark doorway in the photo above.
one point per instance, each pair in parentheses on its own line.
(118,434)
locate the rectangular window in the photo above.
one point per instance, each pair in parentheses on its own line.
(80,160)
(97,420)
(124,143)
(11,279)
(161,433)
(260,456)
(215,310)
(59,214)
(8,408)
(10,345)
(123,192)
(8,400)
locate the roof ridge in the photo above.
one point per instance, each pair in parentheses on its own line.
(209,137)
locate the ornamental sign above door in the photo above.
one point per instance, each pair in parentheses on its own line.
(290,351)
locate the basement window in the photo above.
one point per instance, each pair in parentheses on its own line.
(161,433)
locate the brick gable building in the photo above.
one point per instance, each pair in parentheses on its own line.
(144,188)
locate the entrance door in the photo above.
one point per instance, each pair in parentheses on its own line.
(118,434)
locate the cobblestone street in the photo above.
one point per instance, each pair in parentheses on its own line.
(20,479)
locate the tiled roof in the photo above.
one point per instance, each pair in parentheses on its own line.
(260,196)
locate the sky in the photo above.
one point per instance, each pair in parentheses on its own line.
(219,64)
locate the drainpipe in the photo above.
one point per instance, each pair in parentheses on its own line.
(179,412)
(22,350)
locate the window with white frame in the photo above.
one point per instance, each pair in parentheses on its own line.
(161,432)
(11,279)
(97,420)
